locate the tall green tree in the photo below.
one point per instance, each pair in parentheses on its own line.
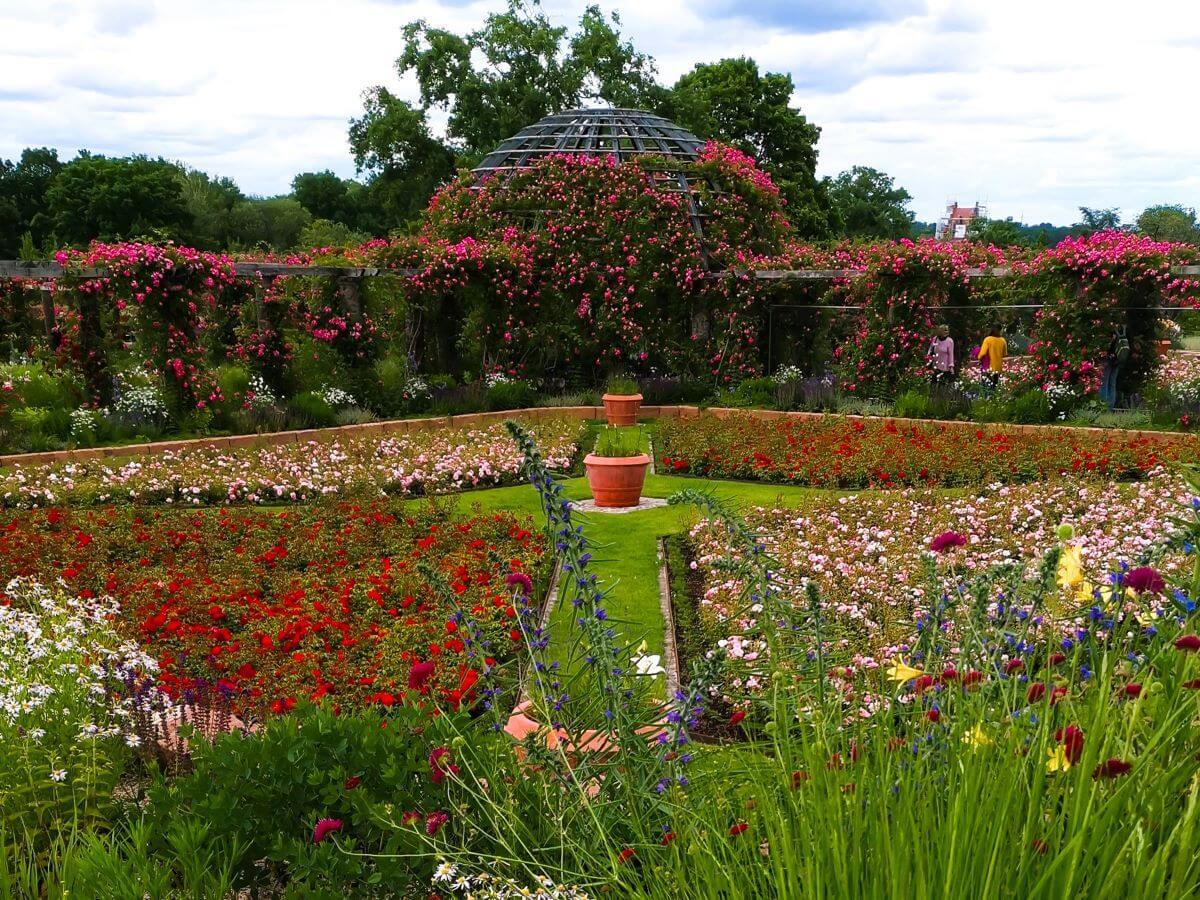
(210,202)
(868,204)
(23,188)
(97,197)
(998,232)
(325,195)
(731,101)
(1170,222)
(1093,220)
(491,83)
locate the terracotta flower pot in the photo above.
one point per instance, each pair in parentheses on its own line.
(622,409)
(1164,348)
(616,481)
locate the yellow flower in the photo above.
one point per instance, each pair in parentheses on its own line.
(977,738)
(1058,760)
(901,672)
(1070,567)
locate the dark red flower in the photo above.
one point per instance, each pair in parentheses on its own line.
(625,855)
(324,828)
(947,540)
(1111,768)
(434,821)
(1188,642)
(1145,580)
(1193,685)
(1014,665)
(798,778)
(738,715)
(922,683)
(1071,738)
(933,715)
(419,674)
(438,771)
(738,829)
(1132,690)
(1056,658)
(667,838)
(1036,692)
(352,782)
(1039,846)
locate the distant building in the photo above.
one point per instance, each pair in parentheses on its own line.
(953,225)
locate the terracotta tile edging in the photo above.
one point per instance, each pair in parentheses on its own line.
(476,420)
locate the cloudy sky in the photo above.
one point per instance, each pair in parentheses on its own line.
(1033,107)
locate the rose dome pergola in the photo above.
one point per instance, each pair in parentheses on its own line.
(619,133)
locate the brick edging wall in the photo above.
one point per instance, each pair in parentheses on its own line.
(473,420)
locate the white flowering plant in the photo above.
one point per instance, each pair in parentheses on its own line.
(336,397)
(70,693)
(786,374)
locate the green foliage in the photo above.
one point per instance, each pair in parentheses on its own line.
(752,392)
(260,798)
(23,188)
(913,404)
(619,442)
(1170,222)
(1093,220)
(1031,408)
(621,385)
(311,410)
(97,197)
(510,395)
(730,101)
(868,204)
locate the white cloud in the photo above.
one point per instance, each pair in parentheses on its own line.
(1033,107)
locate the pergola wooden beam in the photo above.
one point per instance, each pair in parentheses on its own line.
(35,271)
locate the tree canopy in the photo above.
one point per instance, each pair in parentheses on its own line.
(1170,222)
(732,102)
(868,204)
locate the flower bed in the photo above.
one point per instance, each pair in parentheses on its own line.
(867,554)
(843,453)
(410,464)
(268,607)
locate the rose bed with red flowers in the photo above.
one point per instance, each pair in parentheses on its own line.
(835,452)
(267,607)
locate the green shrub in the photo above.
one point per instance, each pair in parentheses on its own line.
(263,795)
(510,395)
(1031,408)
(913,404)
(991,409)
(311,410)
(751,393)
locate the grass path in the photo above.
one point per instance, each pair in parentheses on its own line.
(625,546)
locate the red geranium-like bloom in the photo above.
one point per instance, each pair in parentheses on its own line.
(738,715)
(352,782)
(434,821)
(1145,580)
(667,838)
(1188,642)
(625,855)
(324,828)
(1132,690)
(1111,768)
(947,540)
(738,829)
(1071,738)
(438,772)
(1036,692)
(1014,665)
(419,674)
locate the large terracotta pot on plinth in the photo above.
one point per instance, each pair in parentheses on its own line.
(622,409)
(616,481)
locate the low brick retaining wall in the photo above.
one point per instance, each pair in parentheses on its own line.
(474,420)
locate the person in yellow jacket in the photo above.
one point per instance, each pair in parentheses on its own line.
(994,349)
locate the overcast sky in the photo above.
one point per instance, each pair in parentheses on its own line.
(1033,107)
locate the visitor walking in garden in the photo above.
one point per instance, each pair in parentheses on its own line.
(1118,356)
(993,350)
(941,355)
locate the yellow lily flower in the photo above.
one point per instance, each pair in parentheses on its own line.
(1058,760)
(1070,567)
(901,672)
(976,737)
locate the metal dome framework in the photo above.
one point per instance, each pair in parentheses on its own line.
(619,133)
